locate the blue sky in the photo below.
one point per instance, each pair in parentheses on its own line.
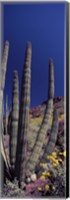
(43,25)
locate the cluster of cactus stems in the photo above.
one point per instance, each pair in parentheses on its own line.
(19,125)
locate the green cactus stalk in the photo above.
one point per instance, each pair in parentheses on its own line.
(4,156)
(39,142)
(6,118)
(32,138)
(14,120)
(53,136)
(3,75)
(4,64)
(51,80)
(24,116)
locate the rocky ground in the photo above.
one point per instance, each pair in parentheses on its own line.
(51,181)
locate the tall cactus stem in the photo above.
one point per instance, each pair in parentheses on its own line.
(32,161)
(53,136)
(14,120)
(3,76)
(39,142)
(6,114)
(24,115)
(51,80)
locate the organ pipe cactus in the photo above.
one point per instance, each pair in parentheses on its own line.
(53,136)
(3,75)
(24,115)
(51,80)
(39,141)
(14,120)
(4,64)
(6,114)
(32,139)
(4,153)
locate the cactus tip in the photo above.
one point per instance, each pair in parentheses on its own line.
(29,44)
(51,61)
(15,71)
(7,42)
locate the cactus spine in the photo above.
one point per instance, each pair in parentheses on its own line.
(14,120)
(24,114)
(39,142)
(51,80)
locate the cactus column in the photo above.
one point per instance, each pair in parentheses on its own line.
(51,80)
(6,115)
(14,120)
(39,142)
(3,75)
(53,136)
(24,114)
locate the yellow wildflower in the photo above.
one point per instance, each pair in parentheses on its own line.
(54,164)
(39,188)
(44,173)
(54,160)
(64,153)
(48,174)
(42,177)
(43,164)
(54,154)
(61,153)
(60,160)
(47,187)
